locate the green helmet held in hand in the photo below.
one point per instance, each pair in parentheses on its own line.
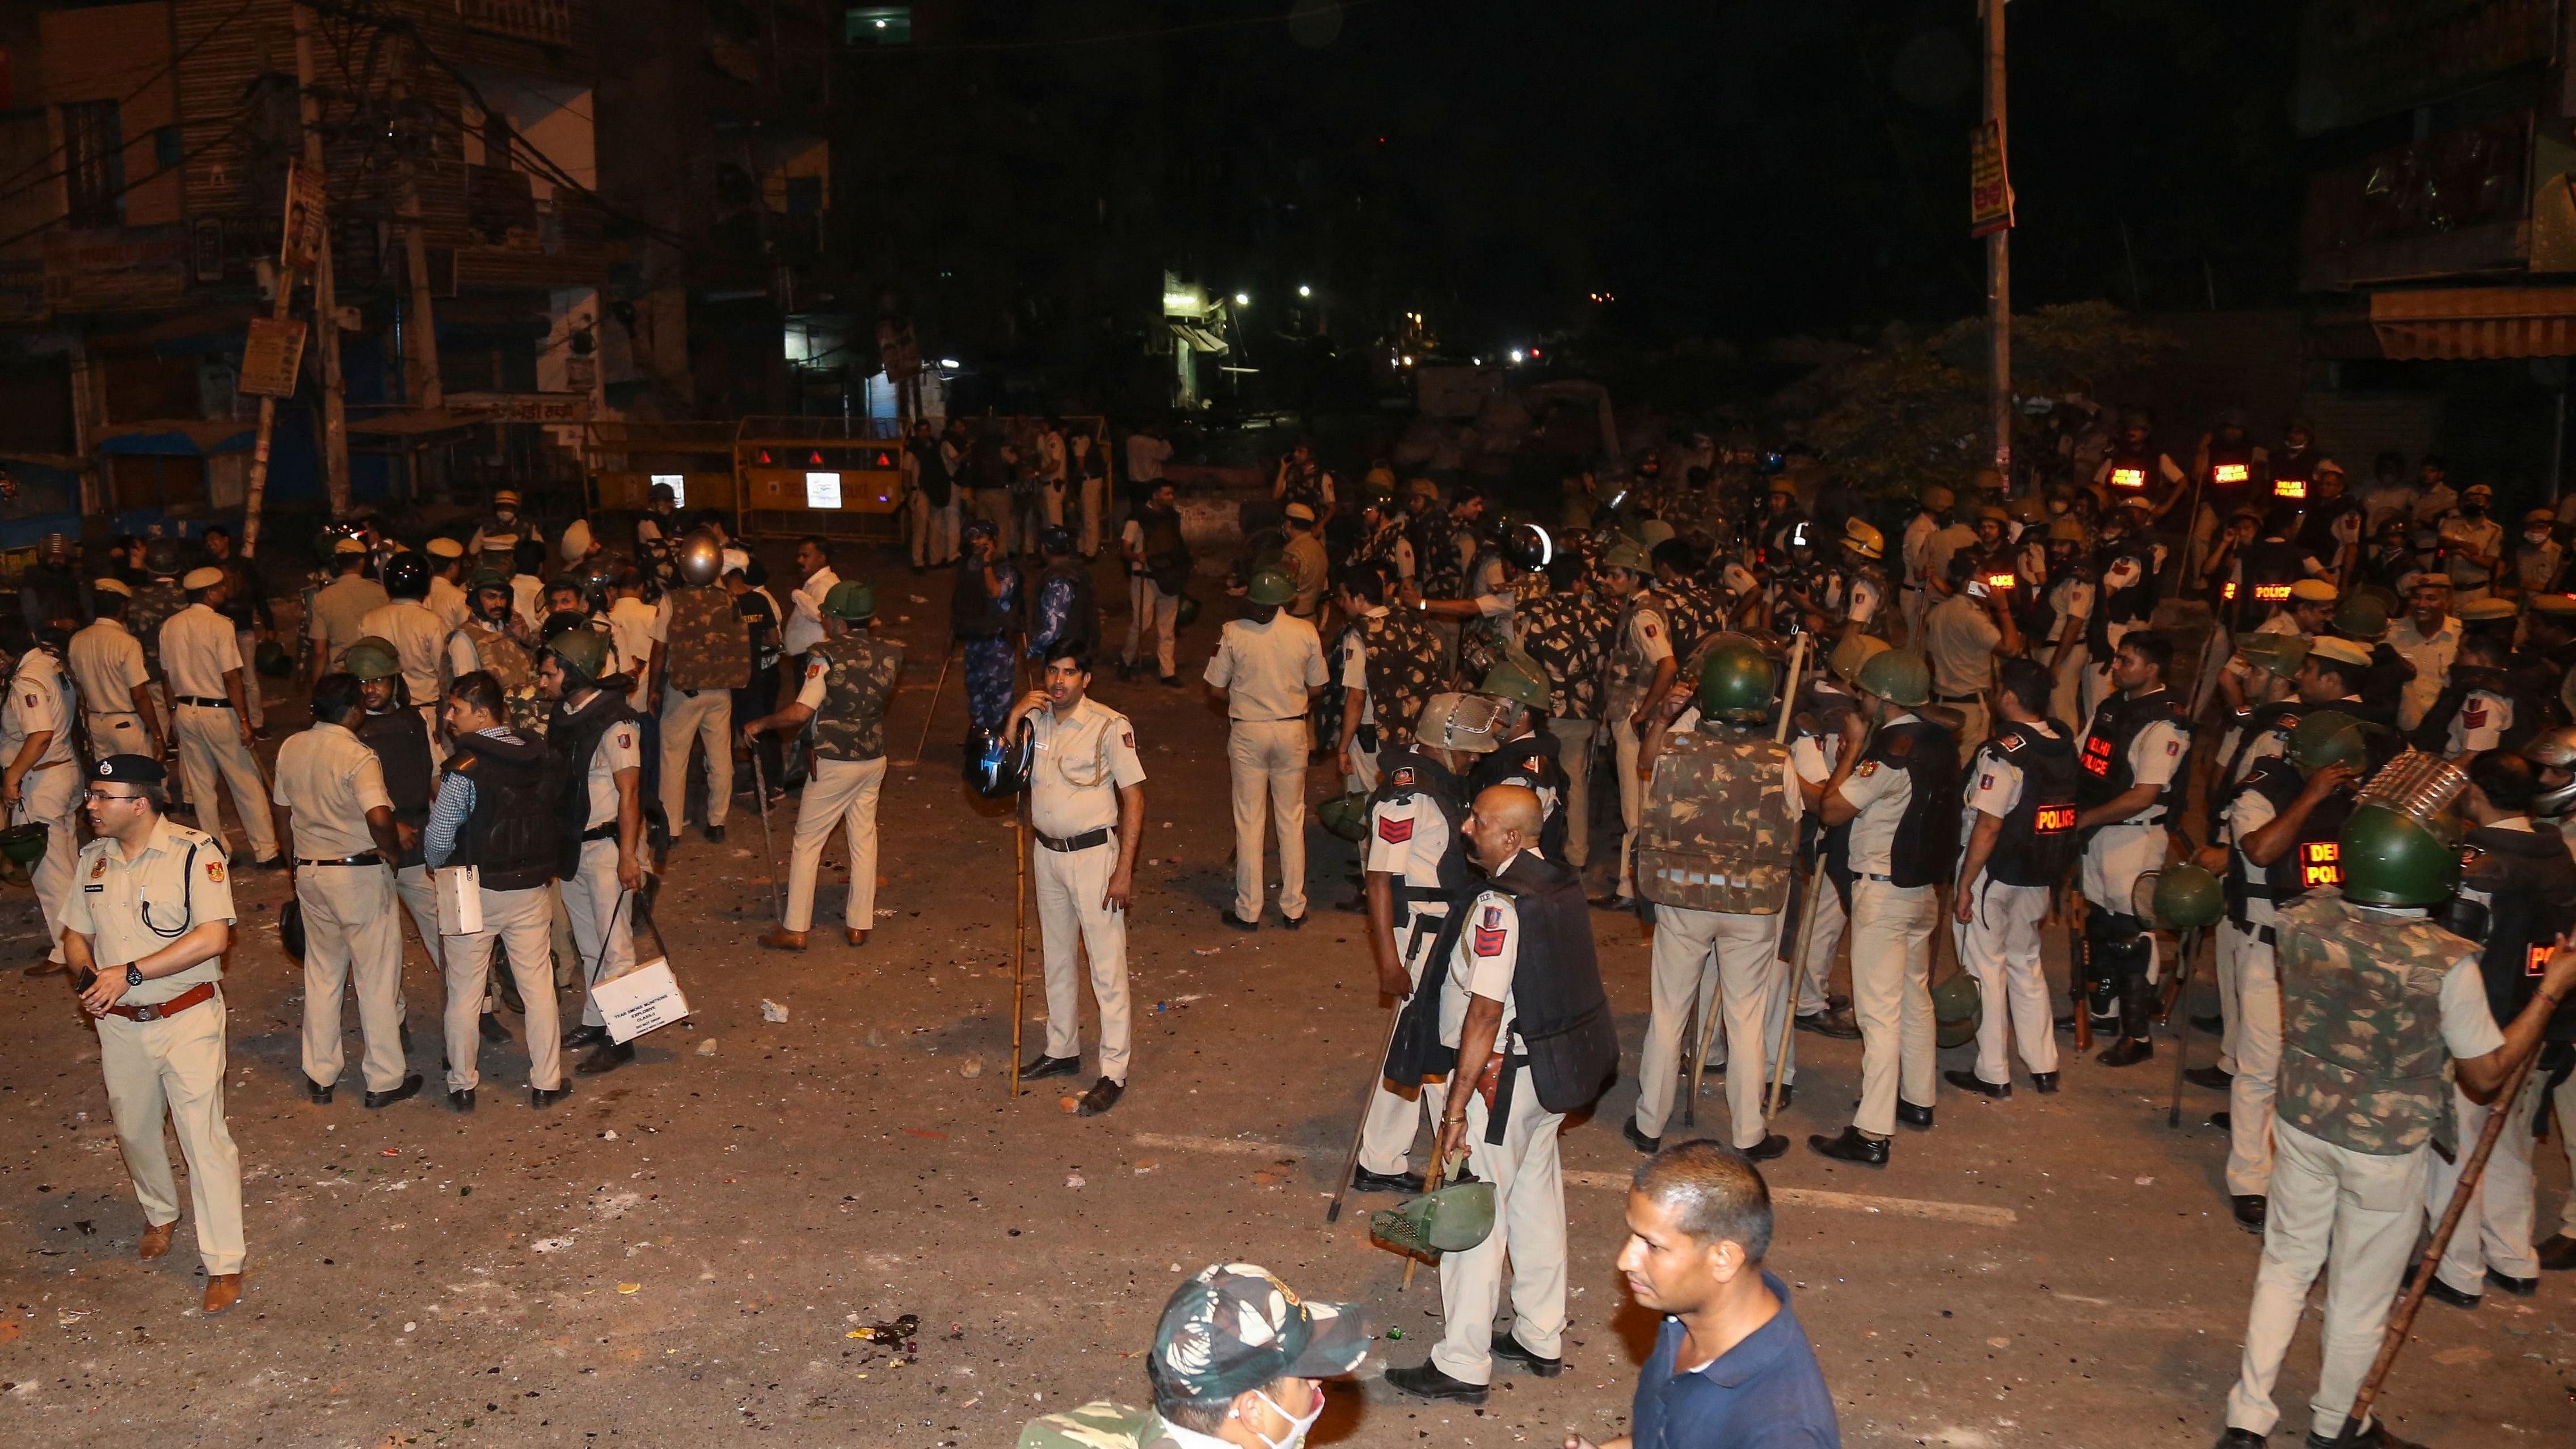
(1736,681)
(1517,680)
(2188,898)
(373,657)
(1898,676)
(851,600)
(584,653)
(1346,815)
(2329,737)
(1186,613)
(2390,859)
(1271,587)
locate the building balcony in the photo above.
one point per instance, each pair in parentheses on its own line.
(547,22)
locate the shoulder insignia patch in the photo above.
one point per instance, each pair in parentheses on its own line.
(98,867)
(1127,738)
(1493,916)
(1865,769)
(2173,747)
(1394,831)
(1985,782)
(215,871)
(1489,940)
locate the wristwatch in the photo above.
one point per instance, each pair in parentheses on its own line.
(133,975)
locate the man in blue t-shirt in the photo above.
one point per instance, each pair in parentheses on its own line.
(1731,1368)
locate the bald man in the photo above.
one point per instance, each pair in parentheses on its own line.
(1523,967)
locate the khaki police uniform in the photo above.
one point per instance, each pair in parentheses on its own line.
(1407,840)
(171,1067)
(2495,1231)
(416,632)
(603,918)
(107,663)
(1999,943)
(448,602)
(50,790)
(1082,761)
(1959,642)
(1891,951)
(1529,1185)
(2252,994)
(197,650)
(843,787)
(1814,756)
(1266,670)
(330,780)
(339,607)
(1646,643)
(704,717)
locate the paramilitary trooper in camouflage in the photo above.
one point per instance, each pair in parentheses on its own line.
(1565,635)
(156,601)
(1528,754)
(489,640)
(706,657)
(1505,577)
(849,681)
(1388,664)
(1715,842)
(2375,1000)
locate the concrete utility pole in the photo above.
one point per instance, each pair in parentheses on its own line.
(420,334)
(326,309)
(1999,253)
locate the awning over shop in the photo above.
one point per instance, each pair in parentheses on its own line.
(179,437)
(1199,339)
(2473,323)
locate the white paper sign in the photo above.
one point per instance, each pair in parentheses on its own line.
(642,1000)
(460,899)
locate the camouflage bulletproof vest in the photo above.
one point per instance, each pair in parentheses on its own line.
(710,644)
(1379,546)
(1715,834)
(2361,1025)
(507,660)
(153,605)
(1692,614)
(1566,634)
(1407,663)
(1481,640)
(1627,674)
(1101,1425)
(859,676)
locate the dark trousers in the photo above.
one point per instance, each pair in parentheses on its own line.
(755,701)
(2121,955)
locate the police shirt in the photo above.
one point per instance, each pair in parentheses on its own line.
(2431,654)
(2153,757)
(448,601)
(633,625)
(1864,602)
(1482,963)
(107,664)
(2480,724)
(36,703)
(330,779)
(1880,792)
(1081,761)
(1994,788)
(1918,534)
(197,648)
(619,749)
(1266,669)
(2070,604)
(1645,638)
(1355,665)
(415,631)
(130,909)
(337,608)
(2248,812)
(528,600)
(1960,639)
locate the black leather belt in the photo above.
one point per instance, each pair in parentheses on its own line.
(1959,698)
(600,832)
(1283,719)
(1085,841)
(201,702)
(370,858)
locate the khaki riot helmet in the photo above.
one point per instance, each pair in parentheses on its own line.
(1864,539)
(1854,651)
(1736,680)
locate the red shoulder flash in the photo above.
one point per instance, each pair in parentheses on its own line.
(1489,942)
(1394,831)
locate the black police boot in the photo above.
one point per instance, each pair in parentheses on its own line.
(1971,1082)
(410,1088)
(1428,1382)
(1853,1145)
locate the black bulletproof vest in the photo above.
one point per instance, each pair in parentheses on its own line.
(1411,774)
(1924,852)
(510,833)
(1562,1018)
(400,738)
(2253,724)
(2531,882)
(2231,475)
(2269,566)
(973,612)
(2038,840)
(1531,760)
(2103,774)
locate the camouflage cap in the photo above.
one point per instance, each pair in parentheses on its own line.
(1233,1328)
(1468,723)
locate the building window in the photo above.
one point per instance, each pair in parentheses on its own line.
(877,25)
(93,164)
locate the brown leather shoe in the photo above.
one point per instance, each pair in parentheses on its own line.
(855,938)
(223,1290)
(42,967)
(156,1240)
(782,940)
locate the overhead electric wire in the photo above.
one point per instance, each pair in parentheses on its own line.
(240,125)
(145,84)
(1156,33)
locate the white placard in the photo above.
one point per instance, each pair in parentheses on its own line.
(679,485)
(822,490)
(460,899)
(640,1000)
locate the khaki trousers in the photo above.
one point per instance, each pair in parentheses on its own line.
(1149,607)
(2258,1064)
(249,646)
(517,921)
(2495,1231)
(704,717)
(117,734)
(842,793)
(934,530)
(1529,1227)
(1070,918)
(2000,947)
(2353,1215)
(2066,688)
(1387,1127)
(1632,799)
(420,902)
(603,923)
(1743,983)
(1891,955)
(1574,742)
(351,938)
(174,1067)
(53,796)
(1267,759)
(210,744)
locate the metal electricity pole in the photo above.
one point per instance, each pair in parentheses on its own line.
(1999,250)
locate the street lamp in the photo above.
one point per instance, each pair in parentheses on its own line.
(1305,291)
(1243,299)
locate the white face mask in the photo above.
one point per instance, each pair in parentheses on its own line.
(2536,535)
(1297,1435)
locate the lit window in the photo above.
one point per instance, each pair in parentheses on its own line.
(822,490)
(877,25)
(678,484)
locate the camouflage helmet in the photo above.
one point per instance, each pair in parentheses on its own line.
(373,657)
(1898,676)
(1736,680)
(1518,680)
(1864,539)
(1346,815)
(2329,737)
(584,653)
(1854,651)
(2391,859)
(850,600)
(2188,897)
(1270,587)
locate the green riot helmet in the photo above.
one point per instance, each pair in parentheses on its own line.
(1186,613)
(1898,676)
(2390,859)
(1517,680)
(373,657)
(1736,680)
(1454,1219)
(1346,815)
(852,601)
(2361,614)
(584,653)
(1271,587)
(2188,898)
(2329,737)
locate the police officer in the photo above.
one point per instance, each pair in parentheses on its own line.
(1064,611)
(2373,997)
(39,777)
(1865,587)
(332,622)
(598,756)
(1270,666)
(2017,840)
(702,654)
(2473,544)
(406,621)
(1564,634)
(145,936)
(1896,775)
(2066,613)
(203,664)
(447,597)
(2129,774)
(107,664)
(1964,635)
(1529,754)
(1415,856)
(1158,569)
(50,593)
(491,639)
(1087,814)
(334,808)
(1815,748)
(1931,518)
(850,677)
(1523,968)
(983,610)
(503,521)
(160,597)
(1389,663)
(1716,841)
(1640,667)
